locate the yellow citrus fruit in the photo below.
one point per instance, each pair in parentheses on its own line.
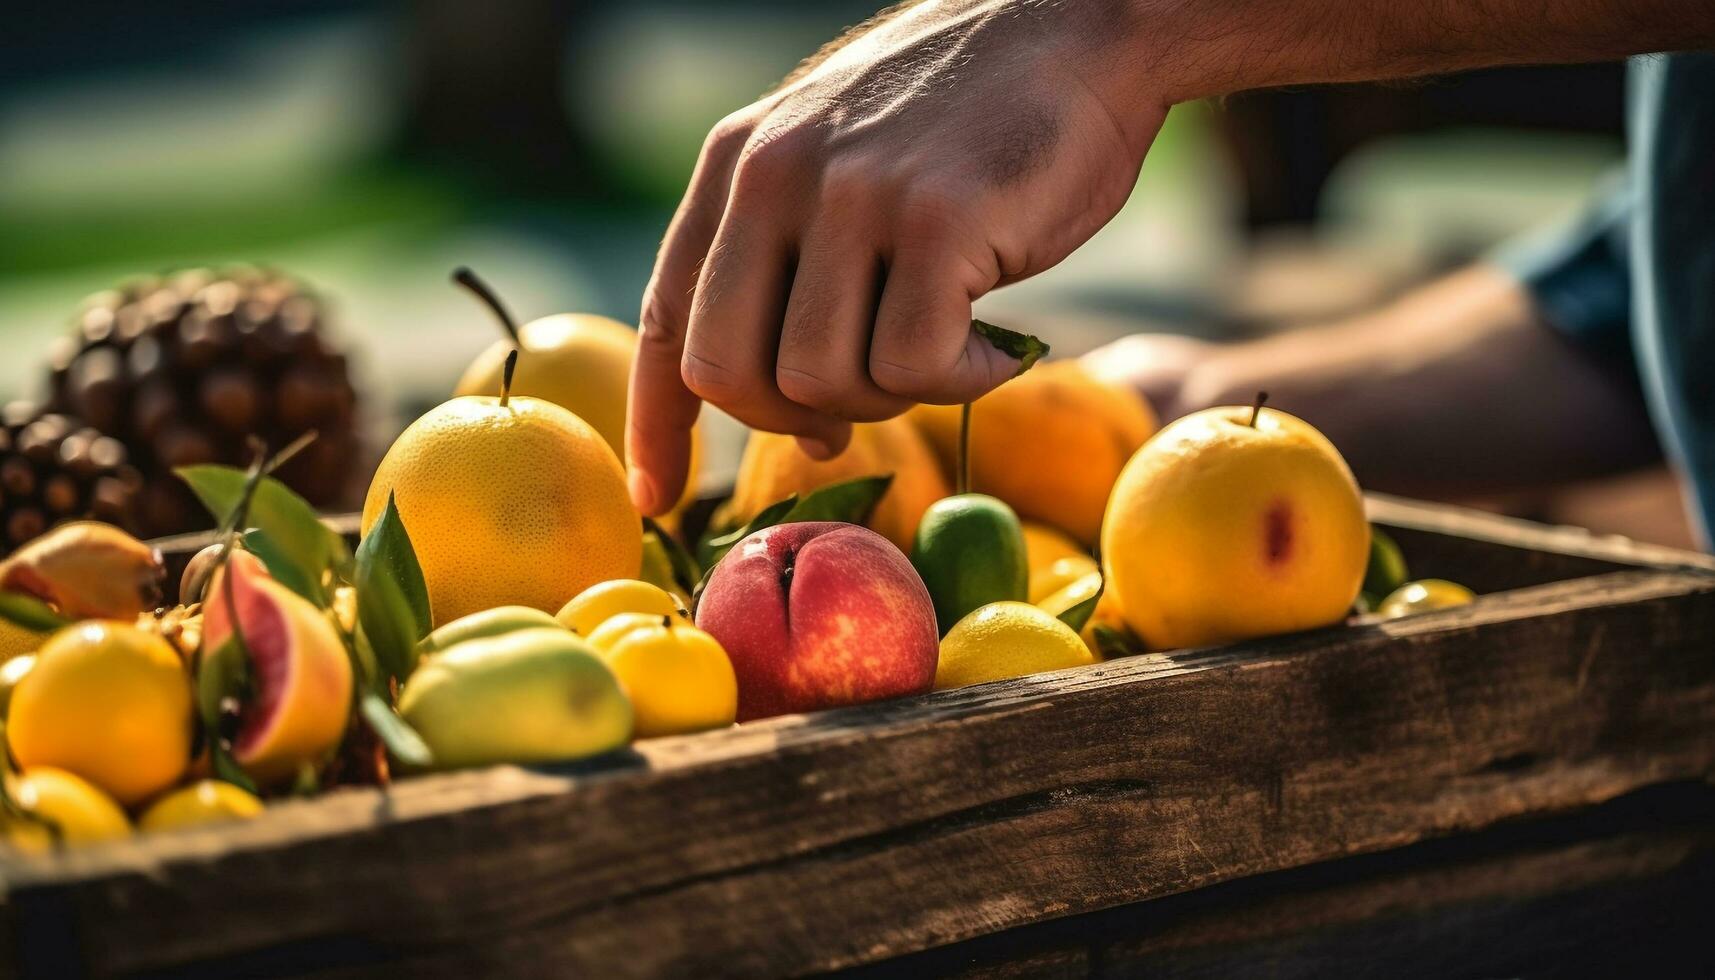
(1050,442)
(11,672)
(515,504)
(1220,530)
(79,810)
(1423,596)
(1059,574)
(108,702)
(299,669)
(604,600)
(612,629)
(1074,592)
(1043,546)
(677,676)
(1006,639)
(580,362)
(773,467)
(205,801)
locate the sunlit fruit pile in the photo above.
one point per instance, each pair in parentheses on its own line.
(505,603)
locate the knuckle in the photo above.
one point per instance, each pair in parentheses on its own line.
(904,380)
(770,158)
(933,212)
(660,325)
(807,388)
(713,382)
(727,138)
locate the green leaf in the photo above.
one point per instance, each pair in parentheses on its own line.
(392,597)
(286,518)
(30,612)
(714,549)
(401,739)
(851,501)
(223,673)
(283,569)
(665,549)
(1022,346)
(1076,616)
(1113,641)
(226,768)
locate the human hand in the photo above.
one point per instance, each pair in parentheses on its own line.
(822,264)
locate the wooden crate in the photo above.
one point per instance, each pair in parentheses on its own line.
(1002,818)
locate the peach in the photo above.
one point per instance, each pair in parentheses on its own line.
(818,615)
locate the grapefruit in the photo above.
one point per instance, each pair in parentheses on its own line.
(300,672)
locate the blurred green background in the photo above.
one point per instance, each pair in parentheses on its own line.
(371,147)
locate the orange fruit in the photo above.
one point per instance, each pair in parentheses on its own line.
(79,811)
(1219,530)
(299,668)
(1050,442)
(1043,546)
(773,466)
(108,702)
(515,504)
(580,362)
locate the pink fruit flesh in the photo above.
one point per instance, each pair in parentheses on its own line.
(266,637)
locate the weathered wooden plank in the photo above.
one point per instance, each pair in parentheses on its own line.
(1491,553)
(1620,889)
(829,840)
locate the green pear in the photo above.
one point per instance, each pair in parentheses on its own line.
(530,695)
(489,622)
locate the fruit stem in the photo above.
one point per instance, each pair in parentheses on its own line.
(506,377)
(1256,407)
(469,280)
(963,482)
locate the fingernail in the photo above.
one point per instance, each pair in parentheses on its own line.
(815,448)
(642,491)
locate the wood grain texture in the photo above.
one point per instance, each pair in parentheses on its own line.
(823,841)
(1620,889)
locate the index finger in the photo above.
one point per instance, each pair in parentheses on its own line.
(661,410)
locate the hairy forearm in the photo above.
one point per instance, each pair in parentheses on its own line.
(1186,49)
(1457,389)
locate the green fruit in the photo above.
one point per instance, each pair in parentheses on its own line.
(1386,570)
(531,695)
(489,622)
(969,551)
(1422,596)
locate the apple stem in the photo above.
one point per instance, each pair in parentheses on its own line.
(666,622)
(469,280)
(964,477)
(1256,407)
(506,377)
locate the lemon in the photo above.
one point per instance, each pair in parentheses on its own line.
(508,502)
(11,672)
(604,600)
(1232,523)
(1059,574)
(1423,596)
(1072,593)
(1007,639)
(603,637)
(108,702)
(580,362)
(78,810)
(203,802)
(678,677)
